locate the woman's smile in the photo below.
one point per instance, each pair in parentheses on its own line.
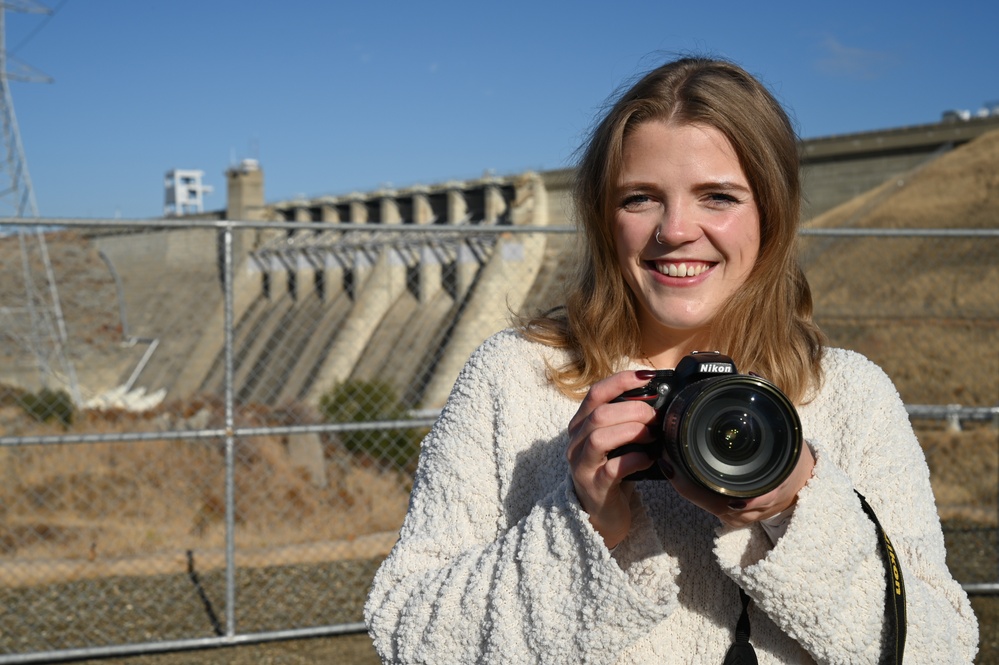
(683,269)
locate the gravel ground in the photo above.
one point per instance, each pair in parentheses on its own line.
(345,650)
(128,610)
(147,609)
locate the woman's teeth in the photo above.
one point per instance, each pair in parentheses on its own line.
(681,269)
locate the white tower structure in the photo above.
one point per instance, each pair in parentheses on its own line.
(184,192)
(37,324)
(16,193)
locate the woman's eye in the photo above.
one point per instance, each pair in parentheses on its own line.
(634,201)
(721,199)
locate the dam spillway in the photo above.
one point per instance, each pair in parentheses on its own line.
(314,309)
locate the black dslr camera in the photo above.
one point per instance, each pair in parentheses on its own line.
(735,434)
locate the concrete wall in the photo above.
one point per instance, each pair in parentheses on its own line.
(835,169)
(171,287)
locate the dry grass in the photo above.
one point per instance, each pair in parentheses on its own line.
(964,472)
(925,309)
(145,503)
(110,501)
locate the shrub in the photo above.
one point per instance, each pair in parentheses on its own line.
(48,404)
(367,401)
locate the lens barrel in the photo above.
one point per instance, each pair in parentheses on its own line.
(736,435)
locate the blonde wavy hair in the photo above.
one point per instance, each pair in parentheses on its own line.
(766,326)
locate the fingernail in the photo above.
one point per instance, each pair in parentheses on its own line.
(646,374)
(736,505)
(667,469)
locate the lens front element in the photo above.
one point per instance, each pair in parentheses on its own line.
(734,436)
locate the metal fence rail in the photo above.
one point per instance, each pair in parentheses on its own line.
(240,480)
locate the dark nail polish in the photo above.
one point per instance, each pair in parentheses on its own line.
(667,469)
(646,374)
(736,505)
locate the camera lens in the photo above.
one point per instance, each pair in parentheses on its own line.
(736,435)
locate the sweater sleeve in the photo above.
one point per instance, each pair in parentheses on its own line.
(467,583)
(824,581)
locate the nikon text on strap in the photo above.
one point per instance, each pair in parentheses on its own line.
(894,591)
(742,653)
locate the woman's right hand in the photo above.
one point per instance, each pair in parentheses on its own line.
(599,427)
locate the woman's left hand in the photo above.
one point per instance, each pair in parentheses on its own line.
(737,512)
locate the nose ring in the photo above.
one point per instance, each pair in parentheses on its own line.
(658,241)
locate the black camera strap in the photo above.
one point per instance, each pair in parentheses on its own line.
(741,652)
(894,591)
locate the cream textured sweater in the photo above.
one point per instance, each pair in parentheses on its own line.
(498,563)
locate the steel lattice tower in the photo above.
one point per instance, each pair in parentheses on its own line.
(38,324)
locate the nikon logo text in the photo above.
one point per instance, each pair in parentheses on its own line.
(716,368)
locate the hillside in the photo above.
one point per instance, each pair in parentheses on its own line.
(925,309)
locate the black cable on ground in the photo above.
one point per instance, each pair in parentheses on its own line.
(196,580)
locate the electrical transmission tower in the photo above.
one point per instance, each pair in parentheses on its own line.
(35,324)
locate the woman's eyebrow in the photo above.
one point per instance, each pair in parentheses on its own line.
(723,185)
(708,185)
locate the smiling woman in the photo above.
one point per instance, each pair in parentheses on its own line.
(766,323)
(529,536)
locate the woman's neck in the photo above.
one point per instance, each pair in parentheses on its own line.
(665,351)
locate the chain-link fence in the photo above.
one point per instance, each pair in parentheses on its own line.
(208,428)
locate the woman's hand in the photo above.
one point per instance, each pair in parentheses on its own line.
(737,512)
(599,427)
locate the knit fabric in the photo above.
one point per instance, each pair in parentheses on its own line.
(498,563)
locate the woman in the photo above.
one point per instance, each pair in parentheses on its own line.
(524,541)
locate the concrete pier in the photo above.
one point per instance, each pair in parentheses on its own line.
(502,287)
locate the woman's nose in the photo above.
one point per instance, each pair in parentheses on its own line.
(678,226)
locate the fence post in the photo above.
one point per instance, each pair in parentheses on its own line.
(230,426)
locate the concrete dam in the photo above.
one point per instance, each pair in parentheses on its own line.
(313,309)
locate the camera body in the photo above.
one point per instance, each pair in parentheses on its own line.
(735,434)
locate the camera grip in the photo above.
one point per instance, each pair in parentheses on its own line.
(651,450)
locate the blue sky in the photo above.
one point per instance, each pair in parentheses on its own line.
(339,96)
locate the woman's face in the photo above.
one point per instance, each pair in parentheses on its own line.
(684,181)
